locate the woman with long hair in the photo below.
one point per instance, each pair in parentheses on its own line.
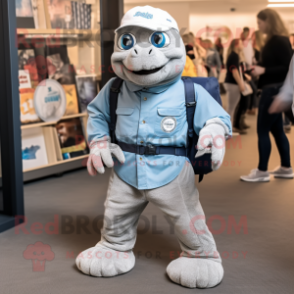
(233,82)
(257,43)
(257,40)
(190,69)
(195,52)
(272,70)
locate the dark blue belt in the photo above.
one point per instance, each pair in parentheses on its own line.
(152,150)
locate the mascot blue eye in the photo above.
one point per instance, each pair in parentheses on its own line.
(159,39)
(126,41)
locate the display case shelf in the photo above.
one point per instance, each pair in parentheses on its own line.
(55,169)
(55,31)
(43,124)
(56,163)
(58,33)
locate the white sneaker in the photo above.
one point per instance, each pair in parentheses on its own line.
(282,172)
(256,176)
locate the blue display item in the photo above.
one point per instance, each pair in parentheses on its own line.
(30,153)
(66,156)
(53,96)
(50,101)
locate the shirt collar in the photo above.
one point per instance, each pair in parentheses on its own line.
(156,90)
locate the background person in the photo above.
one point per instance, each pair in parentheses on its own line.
(195,52)
(213,60)
(246,63)
(189,69)
(243,105)
(247,46)
(272,70)
(257,44)
(220,49)
(233,83)
(292,41)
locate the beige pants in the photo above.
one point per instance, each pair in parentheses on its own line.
(234,96)
(178,200)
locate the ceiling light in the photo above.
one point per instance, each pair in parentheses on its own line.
(280,5)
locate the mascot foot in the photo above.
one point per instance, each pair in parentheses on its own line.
(195,272)
(100,261)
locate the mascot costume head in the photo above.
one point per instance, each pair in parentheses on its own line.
(148,50)
(149,58)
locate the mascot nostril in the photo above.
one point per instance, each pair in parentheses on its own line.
(148,124)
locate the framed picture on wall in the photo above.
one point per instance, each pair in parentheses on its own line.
(24,14)
(34,152)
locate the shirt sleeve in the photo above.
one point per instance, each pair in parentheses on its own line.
(99,115)
(207,108)
(233,63)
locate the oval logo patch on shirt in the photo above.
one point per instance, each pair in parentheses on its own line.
(168,124)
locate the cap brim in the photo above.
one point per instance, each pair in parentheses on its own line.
(146,26)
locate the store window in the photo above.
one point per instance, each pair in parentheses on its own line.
(53,50)
(59,73)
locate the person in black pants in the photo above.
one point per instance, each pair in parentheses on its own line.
(275,60)
(245,103)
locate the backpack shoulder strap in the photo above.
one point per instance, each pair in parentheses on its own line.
(190,110)
(113,100)
(190,104)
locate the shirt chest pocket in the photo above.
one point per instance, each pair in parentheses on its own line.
(167,121)
(127,122)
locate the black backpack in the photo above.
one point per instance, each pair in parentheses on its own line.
(201,165)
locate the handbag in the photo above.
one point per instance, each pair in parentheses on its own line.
(248,89)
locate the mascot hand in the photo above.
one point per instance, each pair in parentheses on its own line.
(212,136)
(101,152)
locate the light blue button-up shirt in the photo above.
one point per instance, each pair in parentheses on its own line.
(141,116)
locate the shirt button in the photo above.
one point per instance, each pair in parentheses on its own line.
(142,142)
(145,98)
(144,121)
(141,158)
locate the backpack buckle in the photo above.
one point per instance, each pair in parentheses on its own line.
(191,104)
(115,90)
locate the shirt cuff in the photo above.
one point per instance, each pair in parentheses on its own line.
(98,140)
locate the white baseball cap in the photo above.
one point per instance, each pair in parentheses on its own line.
(150,18)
